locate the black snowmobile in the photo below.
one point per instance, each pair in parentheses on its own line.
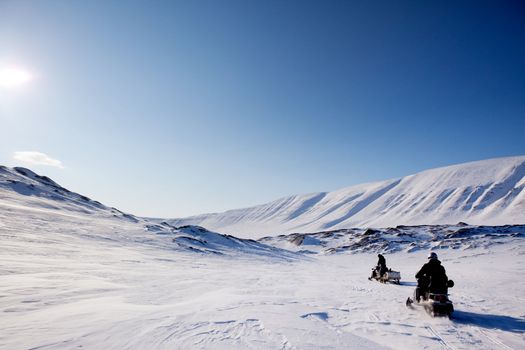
(435,303)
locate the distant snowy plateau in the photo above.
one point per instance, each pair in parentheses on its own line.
(291,274)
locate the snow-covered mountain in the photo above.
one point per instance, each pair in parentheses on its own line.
(488,192)
(29,201)
(22,188)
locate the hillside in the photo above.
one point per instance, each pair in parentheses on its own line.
(32,203)
(488,192)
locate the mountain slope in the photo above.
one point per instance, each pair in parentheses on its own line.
(22,188)
(32,205)
(488,192)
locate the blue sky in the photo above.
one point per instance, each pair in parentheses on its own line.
(172,108)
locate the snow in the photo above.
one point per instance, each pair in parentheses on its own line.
(63,292)
(400,238)
(488,192)
(77,274)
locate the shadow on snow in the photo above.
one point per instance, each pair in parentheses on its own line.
(410,284)
(504,323)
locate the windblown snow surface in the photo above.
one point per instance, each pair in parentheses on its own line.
(77,274)
(488,192)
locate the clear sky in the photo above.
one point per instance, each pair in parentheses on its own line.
(172,108)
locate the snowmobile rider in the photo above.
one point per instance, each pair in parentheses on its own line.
(380,267)
(431,278)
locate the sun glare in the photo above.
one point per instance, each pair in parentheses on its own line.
(14,77)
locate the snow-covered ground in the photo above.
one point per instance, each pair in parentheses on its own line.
(77,274)
(70,282)
(400,238)
(116,297)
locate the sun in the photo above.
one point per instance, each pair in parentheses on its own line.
(13,77)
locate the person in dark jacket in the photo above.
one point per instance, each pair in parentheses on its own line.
(432,277)
(381,264)
(380,269)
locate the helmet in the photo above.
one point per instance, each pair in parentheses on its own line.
(432,255)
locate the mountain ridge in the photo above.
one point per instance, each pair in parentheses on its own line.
(486,192)
(29,201)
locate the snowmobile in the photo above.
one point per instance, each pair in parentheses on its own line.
(388,276)
(435,304)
